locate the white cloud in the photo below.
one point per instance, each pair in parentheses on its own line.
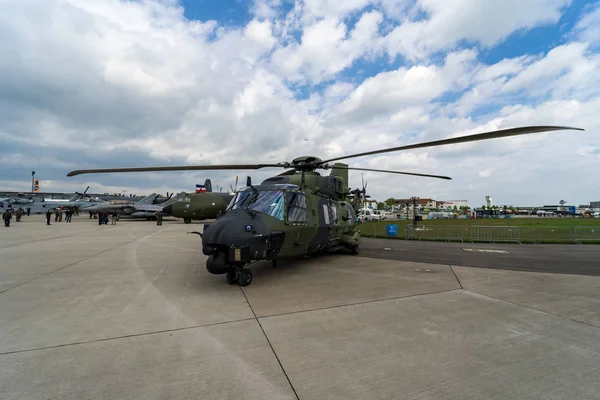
(260,32)
(486,173)
(484,22)
(588,27)
(391,92)
(266,8)
(327,47)
(316,9)
(116,83)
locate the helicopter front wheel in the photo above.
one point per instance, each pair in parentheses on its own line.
(354,249)
(245,277)
(232,276)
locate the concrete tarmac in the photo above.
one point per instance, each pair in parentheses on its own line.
(554,258)
(130,312)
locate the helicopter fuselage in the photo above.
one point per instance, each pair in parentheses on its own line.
(281,218)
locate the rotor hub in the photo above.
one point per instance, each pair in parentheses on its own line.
(306,163)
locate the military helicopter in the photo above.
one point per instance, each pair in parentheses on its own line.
(297,212)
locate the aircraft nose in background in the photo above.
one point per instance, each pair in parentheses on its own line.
(168,209)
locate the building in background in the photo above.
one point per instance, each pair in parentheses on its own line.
(595,204)
(420,203)
(446,204)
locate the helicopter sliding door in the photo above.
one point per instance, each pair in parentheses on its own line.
(326,224)
(296,216)
(334,226)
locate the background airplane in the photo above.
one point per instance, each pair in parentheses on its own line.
(204,204)
(144,208)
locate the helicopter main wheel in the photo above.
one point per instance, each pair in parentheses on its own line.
(187,220)
(245,277)
(354,249)
(232,276)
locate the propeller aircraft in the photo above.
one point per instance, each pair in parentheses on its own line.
(297,212)
(199,206)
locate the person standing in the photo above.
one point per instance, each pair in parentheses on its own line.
(159,217)
(6,216)
(114,218)
(28,211)
(48,216)
(19,214)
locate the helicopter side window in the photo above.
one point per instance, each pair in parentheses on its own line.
(334,217)
(296,208)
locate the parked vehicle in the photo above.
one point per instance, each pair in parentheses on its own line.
(367,214)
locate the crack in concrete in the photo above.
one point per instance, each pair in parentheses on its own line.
(456,276)
(359,303)
(531,308)
(124,336)
(270,345)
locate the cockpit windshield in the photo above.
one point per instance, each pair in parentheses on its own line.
(269,202)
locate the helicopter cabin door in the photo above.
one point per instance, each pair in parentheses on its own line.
(335,230)
(329,229)
(297,216)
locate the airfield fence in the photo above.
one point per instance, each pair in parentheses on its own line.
(486,234)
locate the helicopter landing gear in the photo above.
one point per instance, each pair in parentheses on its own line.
(232,276)
(187,220)
(274,262)
(245,277)
(238,275)
(354,249)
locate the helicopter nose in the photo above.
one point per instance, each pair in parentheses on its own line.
(168,209)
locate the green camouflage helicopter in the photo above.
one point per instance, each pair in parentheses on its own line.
(297,212)
(201,205)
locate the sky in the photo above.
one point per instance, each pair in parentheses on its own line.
(115,83)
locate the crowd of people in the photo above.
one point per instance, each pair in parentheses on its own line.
(103,216)
(19,212)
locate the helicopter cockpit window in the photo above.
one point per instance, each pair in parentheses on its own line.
(266,201)
(239,199)
(296,208)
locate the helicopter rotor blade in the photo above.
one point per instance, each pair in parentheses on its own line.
(462,139)
(394,172)
(174,168)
